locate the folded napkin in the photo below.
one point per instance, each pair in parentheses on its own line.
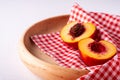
(109,27)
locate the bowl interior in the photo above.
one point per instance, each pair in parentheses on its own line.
(53,24)
(40,63)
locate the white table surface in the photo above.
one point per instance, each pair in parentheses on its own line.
(17,15)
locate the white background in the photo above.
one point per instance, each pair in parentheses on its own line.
(17,15)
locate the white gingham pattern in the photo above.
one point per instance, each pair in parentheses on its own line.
(52,45)
(109,26)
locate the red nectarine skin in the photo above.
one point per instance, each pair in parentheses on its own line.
(96,36)
(73,45)
(92,62)
(96,53)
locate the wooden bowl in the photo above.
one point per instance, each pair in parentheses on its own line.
(39,63)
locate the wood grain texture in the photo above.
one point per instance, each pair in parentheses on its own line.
(39,63)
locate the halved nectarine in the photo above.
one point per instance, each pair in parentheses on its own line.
(95,53)
(74,31)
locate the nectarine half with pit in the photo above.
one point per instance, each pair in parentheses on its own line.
(74,31)
(95,53)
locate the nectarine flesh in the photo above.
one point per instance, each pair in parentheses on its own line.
(95,53)
(74,31)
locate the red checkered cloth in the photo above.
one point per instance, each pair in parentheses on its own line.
(65,55)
